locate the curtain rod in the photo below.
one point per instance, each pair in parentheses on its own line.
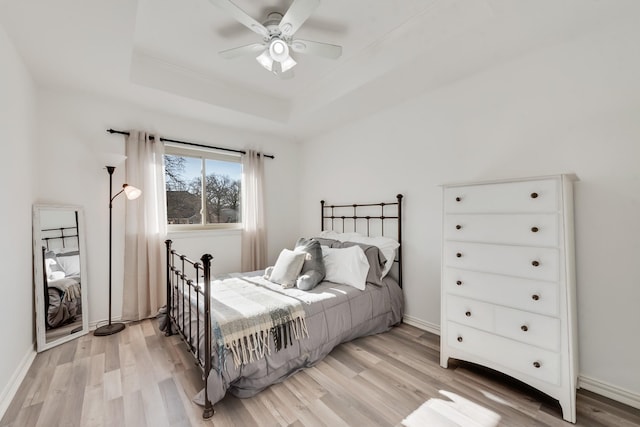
(192,144)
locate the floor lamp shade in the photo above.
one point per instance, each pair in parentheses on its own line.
(132,193)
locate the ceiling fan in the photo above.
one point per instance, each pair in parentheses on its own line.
(274,52)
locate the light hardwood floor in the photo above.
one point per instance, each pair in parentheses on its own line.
(141,378)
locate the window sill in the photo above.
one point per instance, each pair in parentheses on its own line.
(194,234)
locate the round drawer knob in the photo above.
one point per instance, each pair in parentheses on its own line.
(534,195)
(468,314)
(458,255)
(458,199)
(534,229)
(459,282)
(535,263)
(458,227)
(459,339)
(535,297)
(536,364)
(524,328)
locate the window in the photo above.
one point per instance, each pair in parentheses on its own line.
(203,189)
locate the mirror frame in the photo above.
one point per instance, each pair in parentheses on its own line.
(38,275)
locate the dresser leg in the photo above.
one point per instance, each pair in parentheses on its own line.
(444,360)
(568,405)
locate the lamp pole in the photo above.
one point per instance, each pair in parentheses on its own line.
(110,328)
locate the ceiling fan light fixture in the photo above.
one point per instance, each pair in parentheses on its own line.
(265,60)
(279,50)
(287,64)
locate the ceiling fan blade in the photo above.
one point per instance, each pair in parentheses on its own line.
(241,16)
(242,50)
(326,50)
(298,12)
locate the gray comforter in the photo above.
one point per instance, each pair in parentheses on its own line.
(63,301)
(334,314)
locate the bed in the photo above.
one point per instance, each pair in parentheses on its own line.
(263,330)
(61,281)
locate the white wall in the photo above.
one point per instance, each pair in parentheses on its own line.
(17,180)
(568,108)
(74,148)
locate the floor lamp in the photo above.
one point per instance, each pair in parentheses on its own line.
(132,193)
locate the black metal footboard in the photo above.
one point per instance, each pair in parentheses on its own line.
(181,287)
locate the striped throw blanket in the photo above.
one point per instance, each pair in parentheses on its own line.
(245,314)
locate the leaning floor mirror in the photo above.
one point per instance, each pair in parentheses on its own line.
(59,274)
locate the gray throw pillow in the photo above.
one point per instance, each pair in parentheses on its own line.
(313,270)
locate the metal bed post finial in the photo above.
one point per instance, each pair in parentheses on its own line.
(322,215)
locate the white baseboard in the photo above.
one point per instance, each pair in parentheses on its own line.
(94,325)
(11,388)
(421,324)
(609,390)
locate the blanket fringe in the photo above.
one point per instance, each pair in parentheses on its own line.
(254,347)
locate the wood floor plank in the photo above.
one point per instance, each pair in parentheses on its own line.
(28,417)
(72,408)
(134,410)
(141,378)
(93,407)
(96,372)
(111,350)
(299,407)
(278,408)
(112,385)
(114,412)
(83,347)
(128,369)
(57,393)
(173,404)
(266,399)
(155,411)
(261,413)
(328,416)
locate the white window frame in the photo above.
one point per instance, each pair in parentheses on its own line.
(205,154)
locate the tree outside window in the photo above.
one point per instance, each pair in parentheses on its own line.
(190,204)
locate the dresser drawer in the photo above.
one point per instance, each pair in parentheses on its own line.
(528,230)
(470,312)
(520,261)
(531,295)
(534,329)
(511,197)
(500,352)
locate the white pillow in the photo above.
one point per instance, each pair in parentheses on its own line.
(348,266)
(70,262)
(287,268)
(386,245)
(56,275)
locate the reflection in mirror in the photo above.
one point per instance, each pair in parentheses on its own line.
(61,297)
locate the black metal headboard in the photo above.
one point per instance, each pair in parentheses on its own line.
(62,234)
(370,215)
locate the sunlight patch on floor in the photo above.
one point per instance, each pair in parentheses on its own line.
(457,412)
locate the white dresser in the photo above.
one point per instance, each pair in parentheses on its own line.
(508,281)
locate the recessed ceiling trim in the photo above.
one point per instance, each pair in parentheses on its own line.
(156,73)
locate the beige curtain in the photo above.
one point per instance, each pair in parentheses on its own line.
(145,228)
(254,239)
